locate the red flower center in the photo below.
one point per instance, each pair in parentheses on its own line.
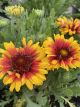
(64,53)
(22,63)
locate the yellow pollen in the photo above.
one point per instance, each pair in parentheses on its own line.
(64,52)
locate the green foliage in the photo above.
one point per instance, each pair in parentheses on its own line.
(5,95)
(58,5)
(70,104)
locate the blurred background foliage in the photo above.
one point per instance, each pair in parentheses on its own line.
(59,6)
(37,26)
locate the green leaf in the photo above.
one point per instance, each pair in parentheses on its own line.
(70,104)
(59,4)
(76,90)
(41,99)
(3,22)
(67,92)
(52,13)
(31,104)
(61,104)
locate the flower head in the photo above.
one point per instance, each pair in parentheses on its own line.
(14,10)
(70,26)
(22,66)
(61,52)
(38,12)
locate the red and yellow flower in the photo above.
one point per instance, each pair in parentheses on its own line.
(62,53)
(22,66)
(70,26)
